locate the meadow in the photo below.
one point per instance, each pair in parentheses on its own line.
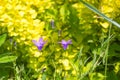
(59,39)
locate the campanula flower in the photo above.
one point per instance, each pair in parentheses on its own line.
(65,43)
(40,43)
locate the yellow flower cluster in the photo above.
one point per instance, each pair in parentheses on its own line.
(20,17)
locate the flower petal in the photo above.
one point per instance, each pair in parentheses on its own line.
(40,43)
(65,46)
(35,42)
(63,42)
(39,47)
(41,39)
(69,42)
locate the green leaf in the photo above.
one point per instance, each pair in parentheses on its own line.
(111,76)
(96,76)
(62,10)
(99,13)
(6,59)
(5,54)
(44,77)
(2,39)
(114,50)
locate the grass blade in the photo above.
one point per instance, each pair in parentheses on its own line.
(7,59)
(99,13)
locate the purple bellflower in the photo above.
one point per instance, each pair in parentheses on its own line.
(65,43)
(40,43)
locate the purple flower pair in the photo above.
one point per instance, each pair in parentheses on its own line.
(40,43)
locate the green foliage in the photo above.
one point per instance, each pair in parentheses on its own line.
(6,59)
(2,38)
(6,71)
(111,75)
(99,13)
(97,76)
(93,54)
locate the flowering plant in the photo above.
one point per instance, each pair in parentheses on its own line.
(40,43)
(65,43)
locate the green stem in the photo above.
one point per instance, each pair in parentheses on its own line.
(106,59)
